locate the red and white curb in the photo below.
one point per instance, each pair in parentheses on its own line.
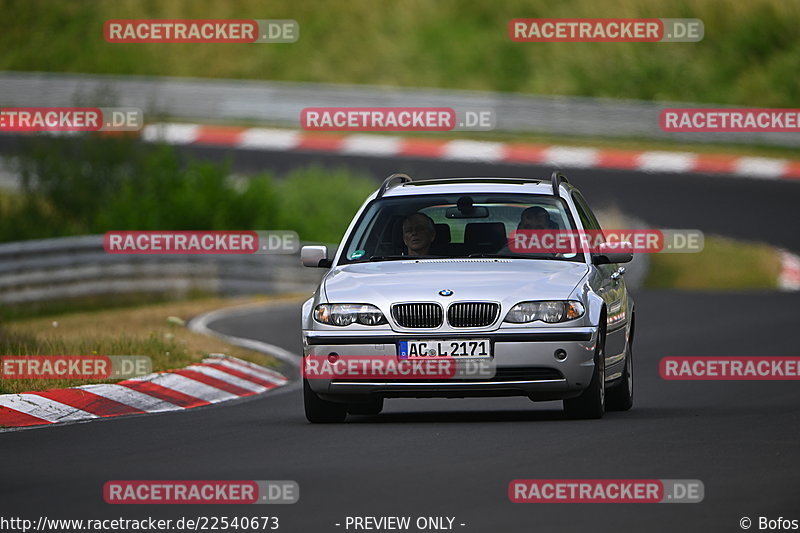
(216,379)
(469,150)
(789,279)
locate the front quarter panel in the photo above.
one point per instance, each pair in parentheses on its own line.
(589,291)
(308,307)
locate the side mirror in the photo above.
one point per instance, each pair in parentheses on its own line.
(612,253)
(315,256)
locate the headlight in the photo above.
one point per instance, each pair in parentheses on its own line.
(346,314)
(550,312)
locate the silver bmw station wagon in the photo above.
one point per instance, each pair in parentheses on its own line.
(426,273)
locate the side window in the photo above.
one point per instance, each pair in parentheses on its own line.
(587,217)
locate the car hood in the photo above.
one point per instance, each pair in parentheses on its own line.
(508,281)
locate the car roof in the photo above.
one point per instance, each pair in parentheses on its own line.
(471,185)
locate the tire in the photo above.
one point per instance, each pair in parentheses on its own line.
(620,398)
(372,407)
(319,411)
(591,404)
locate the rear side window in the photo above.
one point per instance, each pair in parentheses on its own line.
(588,219)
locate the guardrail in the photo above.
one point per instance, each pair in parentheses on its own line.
(280,103)
(69,267)
(72,267)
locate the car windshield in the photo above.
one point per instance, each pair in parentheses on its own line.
(452,226)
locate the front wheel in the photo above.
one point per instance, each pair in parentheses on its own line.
(592,403)
(319,411)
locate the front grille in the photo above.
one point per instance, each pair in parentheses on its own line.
(422,315)
(472,314)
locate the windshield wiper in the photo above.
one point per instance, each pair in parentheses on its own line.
(388,257)
(537,255)
(375,258)
(401,257)
(504,256)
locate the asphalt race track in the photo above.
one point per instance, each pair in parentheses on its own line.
(456,457)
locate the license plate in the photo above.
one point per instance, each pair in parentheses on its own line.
(432,348)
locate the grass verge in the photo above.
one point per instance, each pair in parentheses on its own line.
(143,330)
(56,308)
(724,264)
(749,55)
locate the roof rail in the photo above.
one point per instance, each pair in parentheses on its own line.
(391,180)
(557,178)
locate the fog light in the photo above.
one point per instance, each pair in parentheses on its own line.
(560,354)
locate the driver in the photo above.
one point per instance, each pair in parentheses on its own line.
(419,231)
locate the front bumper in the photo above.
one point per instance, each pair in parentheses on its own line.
(524,359)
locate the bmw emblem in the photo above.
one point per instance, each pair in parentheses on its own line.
(445,292)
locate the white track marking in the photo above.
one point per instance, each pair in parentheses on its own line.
(269,139)
(258,372)
(44,408)
(666,162)
(371,145)
(190,387)
(570,156)
(171,133)
(760,167)
(227,378)
(474,151)
(124,395)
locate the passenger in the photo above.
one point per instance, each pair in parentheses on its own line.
(419,231)
(535,218)
(532,218)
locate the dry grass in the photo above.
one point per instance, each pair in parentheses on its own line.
(137,331)
(724,264)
